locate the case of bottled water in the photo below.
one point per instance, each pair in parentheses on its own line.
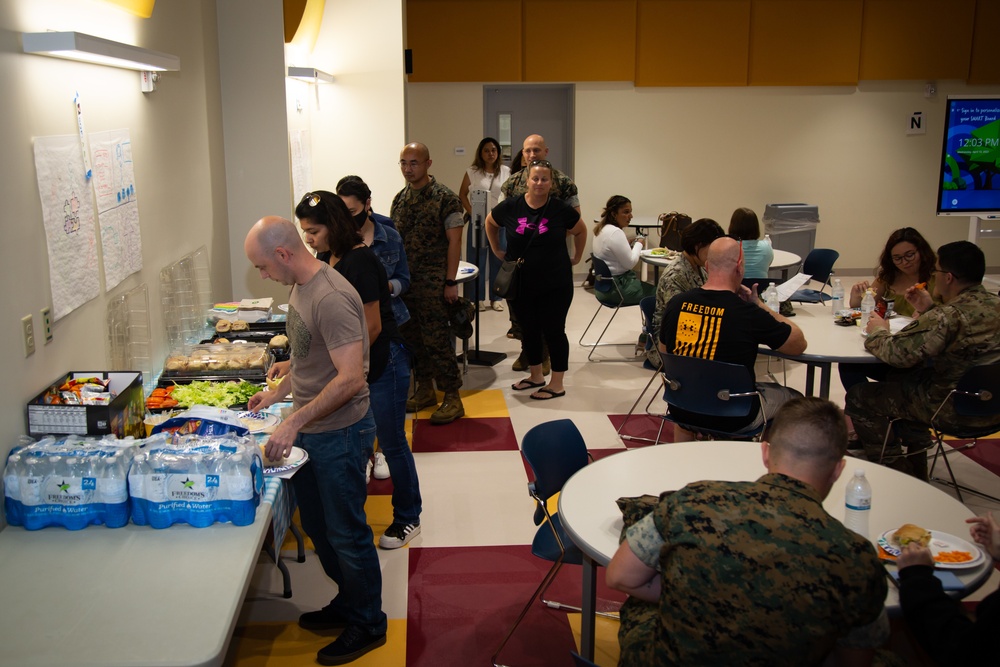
(197,480)
(69,481)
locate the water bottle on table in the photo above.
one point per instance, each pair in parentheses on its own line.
(771,298)
(837,304)
(867,307)
(858,503)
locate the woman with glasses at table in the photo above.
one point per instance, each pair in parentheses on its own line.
(612,247)
(330,230)
(685,270)
(537,225)
(906,260)
(486,173)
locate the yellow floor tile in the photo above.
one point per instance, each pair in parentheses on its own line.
(479,403)
(288,645)
(605,639)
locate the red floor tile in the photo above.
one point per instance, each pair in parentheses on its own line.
(986,453)
(484,434)
(642,426)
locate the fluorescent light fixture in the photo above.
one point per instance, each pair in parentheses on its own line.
(309,75)
(87,48)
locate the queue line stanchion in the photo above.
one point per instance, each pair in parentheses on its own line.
(479,198)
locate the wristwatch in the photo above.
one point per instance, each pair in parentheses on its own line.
(450,283)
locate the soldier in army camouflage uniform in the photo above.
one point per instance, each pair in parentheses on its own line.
(754,573)
(684,272)
(429,218)
(935,350)
(563,188)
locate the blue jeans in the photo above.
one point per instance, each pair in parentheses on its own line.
(388,397)
(485,258)
(331,493)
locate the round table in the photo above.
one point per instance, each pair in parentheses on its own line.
(784,260)
(826,343)
(593,521)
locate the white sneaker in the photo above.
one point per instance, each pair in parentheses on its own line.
(368,472)
(497,306)
(398,535)
(381,469)
(483,306)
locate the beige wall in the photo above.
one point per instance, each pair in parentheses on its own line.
(707,151)
(177,148)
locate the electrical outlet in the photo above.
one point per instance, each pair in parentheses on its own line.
(29,335)
(47,324)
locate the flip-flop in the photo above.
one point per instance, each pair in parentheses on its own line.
(549,395)
(528,384)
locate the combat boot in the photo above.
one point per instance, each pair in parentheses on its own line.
(450,410)
(423,397)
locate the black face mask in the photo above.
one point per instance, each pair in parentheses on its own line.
(360,218)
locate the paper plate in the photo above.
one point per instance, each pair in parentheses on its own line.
(939,542)
(294,460)
(258,422)
(283,307)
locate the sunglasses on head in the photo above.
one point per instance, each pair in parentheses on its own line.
(312,199)
(540,163)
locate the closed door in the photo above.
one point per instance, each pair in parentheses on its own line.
(513,112)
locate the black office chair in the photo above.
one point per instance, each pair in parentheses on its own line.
(977,394)
(819,264)
(555,450)
(648,307)
(604,283)
(713,388)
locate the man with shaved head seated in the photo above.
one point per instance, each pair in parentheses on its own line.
(725,321)
(755,573)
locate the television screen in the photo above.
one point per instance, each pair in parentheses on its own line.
(969,182)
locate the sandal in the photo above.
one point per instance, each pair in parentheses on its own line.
(524,385)
(547,394)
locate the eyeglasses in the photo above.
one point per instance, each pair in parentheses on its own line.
(939,271)
(312,199)
(412,164)
(905,257)
(540,163)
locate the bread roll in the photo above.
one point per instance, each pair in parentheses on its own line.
(909,532)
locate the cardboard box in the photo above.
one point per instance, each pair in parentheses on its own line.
(122,417)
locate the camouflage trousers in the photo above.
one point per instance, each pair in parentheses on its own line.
(873,405)
(429,339)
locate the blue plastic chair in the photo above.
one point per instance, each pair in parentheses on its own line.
(712,388)
(555,450)
(604,283)
(819,264)
(580,661)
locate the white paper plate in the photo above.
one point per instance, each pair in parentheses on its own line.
(939,542)
(258,422)
(650,253)
(294,460)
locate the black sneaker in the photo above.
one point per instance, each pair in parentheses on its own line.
(352,643)
(398,535)
(324,619)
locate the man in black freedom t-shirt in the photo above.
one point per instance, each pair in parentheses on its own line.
(724,321)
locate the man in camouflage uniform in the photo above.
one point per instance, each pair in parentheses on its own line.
(944,341)
(755,573)
(563,188)
(429,218)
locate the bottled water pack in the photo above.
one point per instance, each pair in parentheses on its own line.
(196,480)
(71,482)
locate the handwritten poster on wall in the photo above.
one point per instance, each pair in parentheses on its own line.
(68,216)
(298,140)
(117,205)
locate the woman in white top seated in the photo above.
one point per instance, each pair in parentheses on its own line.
(757,254)
(612,246)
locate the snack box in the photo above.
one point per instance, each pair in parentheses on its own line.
(121,417)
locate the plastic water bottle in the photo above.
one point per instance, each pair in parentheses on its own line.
(838,298)
(858,503)
(767,239)
(771,298)
(867,307)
